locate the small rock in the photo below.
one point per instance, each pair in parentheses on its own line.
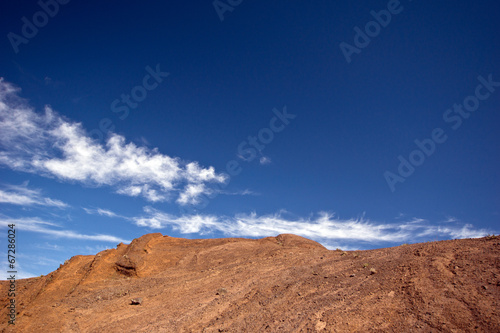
(221,291)
(136,301)
(484,287)
(352,275)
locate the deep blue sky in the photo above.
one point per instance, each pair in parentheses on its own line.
(322,176)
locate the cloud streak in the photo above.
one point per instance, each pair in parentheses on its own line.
(38,225)
(52,146)
(325,227)
(103,212)
(23,196)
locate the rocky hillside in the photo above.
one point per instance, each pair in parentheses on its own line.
(276,284)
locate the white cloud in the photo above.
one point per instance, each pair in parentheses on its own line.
(106,212)
(48,246)
(324,227)
(191,194)
(54,203)
(450,219)
(102,212)
(79,249)
(44,227)
(264,160)
(52,146)
(244,192)
(23,196)
(400,216)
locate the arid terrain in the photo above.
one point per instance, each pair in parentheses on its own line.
(276,284)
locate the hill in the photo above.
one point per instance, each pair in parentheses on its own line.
(276,284)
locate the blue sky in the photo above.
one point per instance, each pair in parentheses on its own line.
(357,124)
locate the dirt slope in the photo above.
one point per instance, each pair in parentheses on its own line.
(277,284)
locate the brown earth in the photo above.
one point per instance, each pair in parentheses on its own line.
(276,284)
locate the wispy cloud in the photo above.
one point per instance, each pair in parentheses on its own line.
(49,228)
(244,192)
(23,196)
(79,249)
(264,160)
(49,246)
(50,145)
(450,219)
(191,194)
(102,212)
(324,227)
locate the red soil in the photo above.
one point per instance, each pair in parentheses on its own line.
(276,284)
